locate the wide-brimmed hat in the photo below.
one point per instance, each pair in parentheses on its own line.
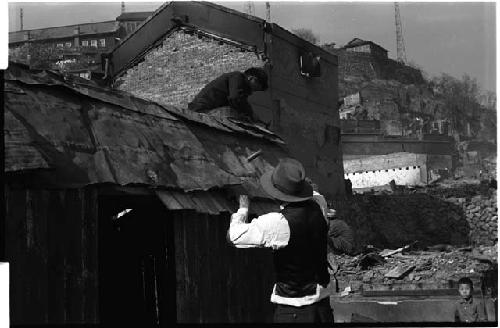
(287,182)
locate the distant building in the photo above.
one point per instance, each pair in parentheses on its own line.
(131,21)
(75,48)
(368,60)
(358,45)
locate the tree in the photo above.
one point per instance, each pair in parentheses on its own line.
(461,99)
(307,34)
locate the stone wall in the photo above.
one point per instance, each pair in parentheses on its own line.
(481,213)
(392,221)
(181,66)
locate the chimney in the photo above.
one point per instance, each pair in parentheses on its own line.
(76,36)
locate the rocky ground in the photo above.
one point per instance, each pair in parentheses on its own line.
(437,266)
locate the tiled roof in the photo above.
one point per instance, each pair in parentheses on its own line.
(134,16)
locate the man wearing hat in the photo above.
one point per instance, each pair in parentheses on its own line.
(297,234)
(231,89)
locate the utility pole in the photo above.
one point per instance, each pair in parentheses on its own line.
(123,7)
(400,42)
(268,11)
(21,16)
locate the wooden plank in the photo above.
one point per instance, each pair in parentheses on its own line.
(74,211)
(169,288)
(15,253)
(179,256)
(90,255)
(218,255)
(209,303)
(193,226)
(56,236)
(37,216)
(415,292)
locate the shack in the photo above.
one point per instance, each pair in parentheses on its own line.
(184,45)
(117,207)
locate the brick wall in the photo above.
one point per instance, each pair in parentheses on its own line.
(176,71)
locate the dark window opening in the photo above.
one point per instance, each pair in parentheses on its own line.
(136,280)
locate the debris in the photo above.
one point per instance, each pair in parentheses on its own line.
(440,248)
(399,271)
(346,291)
(368,276)
(254,155)
(388,252)
(370,259)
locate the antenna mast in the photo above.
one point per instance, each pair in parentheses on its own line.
(21,16)
(250,8)
(268,11)
(401,52)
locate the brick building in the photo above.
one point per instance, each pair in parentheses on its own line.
(75,48)
(184,45)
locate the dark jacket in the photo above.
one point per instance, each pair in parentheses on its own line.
(340,237)
(471,310)
(302,264)
(229,89)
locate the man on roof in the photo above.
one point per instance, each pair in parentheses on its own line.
(297,235)
(231,90)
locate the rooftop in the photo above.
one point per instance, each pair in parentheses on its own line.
(62,32)
(73,133)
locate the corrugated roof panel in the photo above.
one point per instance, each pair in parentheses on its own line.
(20,153)
(212,202)
(91,135)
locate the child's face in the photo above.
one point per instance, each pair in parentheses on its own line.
(464,290)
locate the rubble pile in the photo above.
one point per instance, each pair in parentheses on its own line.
(389,221)
(456,213)
(439,268)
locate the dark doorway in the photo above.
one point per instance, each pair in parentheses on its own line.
(136,263)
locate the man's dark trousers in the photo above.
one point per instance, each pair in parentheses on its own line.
(318,312)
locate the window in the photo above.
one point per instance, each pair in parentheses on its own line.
(93,43)
(102,42)
(85,43)
(68,44)
(60,45)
